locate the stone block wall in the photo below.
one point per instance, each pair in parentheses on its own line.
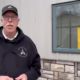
(59,70)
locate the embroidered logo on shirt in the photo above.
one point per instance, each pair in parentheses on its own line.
(22,52)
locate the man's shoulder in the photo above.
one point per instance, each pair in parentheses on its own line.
(27,38)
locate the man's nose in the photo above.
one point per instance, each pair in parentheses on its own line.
(10,19)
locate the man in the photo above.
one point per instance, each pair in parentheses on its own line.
(19,59)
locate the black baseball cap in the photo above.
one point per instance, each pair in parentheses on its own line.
(9,8)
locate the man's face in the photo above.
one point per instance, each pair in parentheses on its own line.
(10,21)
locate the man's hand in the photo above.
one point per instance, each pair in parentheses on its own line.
(5,78)
(22,77)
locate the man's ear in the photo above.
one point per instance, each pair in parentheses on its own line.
(1,20)
(18,21)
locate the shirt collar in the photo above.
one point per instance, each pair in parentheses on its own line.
(7,37)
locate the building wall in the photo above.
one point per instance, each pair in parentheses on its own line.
(59,70)
(36,22)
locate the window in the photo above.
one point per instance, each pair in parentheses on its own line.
(66,26)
